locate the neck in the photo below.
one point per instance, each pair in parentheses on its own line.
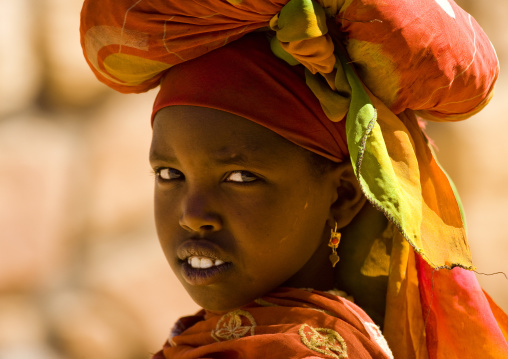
(317,273)
(362,271)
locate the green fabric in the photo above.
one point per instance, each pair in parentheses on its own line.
(300,20)
(394,193)
(278,51)
(335,104)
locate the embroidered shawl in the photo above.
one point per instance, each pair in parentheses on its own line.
(288,323)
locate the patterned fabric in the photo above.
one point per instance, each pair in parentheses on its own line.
(288,323)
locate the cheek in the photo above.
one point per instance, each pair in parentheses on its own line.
(166,220)
(287,230)
(161,212)
(309,218)
(299,212)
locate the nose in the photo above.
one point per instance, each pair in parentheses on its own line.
(198,214)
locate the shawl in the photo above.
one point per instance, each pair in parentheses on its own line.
(375,67)
(287,323)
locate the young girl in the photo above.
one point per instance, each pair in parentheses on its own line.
(281,187)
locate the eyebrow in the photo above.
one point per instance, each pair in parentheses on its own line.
(224,156)
(155,156)
(248,155)
(227,158)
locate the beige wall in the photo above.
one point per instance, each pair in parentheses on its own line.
(81,272)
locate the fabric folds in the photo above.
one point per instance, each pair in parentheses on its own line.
(425,55)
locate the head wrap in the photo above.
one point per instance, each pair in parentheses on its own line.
(426,55)
(246,79)
(437,63)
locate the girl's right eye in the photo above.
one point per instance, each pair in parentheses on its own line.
(168,174)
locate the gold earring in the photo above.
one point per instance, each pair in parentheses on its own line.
(334,243)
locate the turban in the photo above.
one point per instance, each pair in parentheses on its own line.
(427,55)
(246,79)
(376,64)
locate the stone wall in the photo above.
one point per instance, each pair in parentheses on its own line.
(81,272)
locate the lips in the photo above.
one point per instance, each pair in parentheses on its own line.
(202,262)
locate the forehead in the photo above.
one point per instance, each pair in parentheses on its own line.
(219,134)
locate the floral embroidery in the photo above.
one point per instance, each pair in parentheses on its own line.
(323,340)
(234,325)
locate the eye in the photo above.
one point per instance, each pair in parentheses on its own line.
(241,177)
(168,174)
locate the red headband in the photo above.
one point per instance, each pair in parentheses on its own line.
(246,79)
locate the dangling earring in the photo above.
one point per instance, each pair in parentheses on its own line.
(334,243)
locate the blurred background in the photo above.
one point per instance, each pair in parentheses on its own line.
(81,272)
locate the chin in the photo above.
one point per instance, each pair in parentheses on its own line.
(219,303)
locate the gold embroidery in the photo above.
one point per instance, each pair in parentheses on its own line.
(323,340)
(234,325)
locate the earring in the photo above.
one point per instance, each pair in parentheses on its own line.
(334,243)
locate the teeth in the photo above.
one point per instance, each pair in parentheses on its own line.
(203,262)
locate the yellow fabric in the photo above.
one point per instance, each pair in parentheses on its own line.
(382,76)
(404,323)
(299,20)
(120,65)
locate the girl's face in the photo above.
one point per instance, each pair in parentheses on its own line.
(238,209)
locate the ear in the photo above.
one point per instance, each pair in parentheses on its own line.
(350,199)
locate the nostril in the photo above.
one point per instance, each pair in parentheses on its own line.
(200,221)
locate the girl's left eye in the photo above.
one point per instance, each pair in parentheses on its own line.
(241,177)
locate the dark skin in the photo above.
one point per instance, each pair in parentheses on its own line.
(241,211)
